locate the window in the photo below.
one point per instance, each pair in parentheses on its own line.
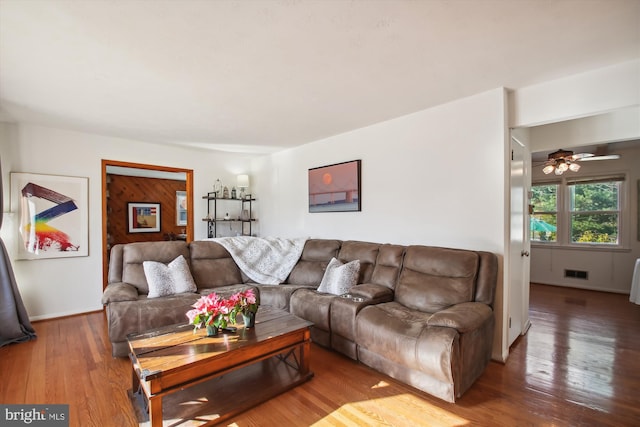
(595,211)
(577,212)
(544,219)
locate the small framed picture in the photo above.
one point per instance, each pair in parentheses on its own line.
(181,208)
(143,217)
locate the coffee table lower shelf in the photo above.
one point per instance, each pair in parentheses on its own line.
(223,397)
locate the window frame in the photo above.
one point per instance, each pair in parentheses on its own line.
(558,185)
(564,213)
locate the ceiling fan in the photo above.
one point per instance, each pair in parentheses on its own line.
(563,160)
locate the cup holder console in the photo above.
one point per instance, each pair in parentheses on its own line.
(352,297)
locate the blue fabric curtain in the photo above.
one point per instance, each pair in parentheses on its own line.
(14,320)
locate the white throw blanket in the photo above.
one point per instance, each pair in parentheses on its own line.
(265,260)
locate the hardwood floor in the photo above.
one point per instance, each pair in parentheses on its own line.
(577,366)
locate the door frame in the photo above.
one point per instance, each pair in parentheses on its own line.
(189,188)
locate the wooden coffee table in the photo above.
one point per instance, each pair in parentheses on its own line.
(230,373)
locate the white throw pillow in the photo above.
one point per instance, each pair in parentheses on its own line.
(339,278)
(174,278)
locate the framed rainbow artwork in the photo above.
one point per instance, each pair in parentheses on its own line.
(54,215)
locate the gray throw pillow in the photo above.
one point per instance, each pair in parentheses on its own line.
(164,280)
(339,278)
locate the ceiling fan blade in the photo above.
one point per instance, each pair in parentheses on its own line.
(580,156)
(605,157)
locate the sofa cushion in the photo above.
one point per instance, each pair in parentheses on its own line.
(372,291)
(310,305)
(365,252)
(388,265)
(339,278)
(116,292)
(212,265)
(227,291)
(170,279)
(433,279)
(130,317)
(134,254)
(465,317)
(278,296)
(314,259)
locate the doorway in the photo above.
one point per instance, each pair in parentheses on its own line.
(148,170)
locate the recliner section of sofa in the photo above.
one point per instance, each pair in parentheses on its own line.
(422,315)
(437,332)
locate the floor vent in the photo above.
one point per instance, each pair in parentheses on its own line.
(576,274)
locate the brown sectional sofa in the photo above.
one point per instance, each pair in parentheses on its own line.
(420,314)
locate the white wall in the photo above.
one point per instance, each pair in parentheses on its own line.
(609,270)
(614,126)
(423,175)
(57,287)
(435,177)
(592,92)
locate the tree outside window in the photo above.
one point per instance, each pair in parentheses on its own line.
(595,212)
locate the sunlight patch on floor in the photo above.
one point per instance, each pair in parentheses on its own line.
(397,410)
(380,385)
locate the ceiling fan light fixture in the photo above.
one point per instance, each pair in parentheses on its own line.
(562,160)
(563,166)
(548,169)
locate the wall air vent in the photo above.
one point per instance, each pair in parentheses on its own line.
(577,274)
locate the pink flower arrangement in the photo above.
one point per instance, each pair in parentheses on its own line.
(246,301)
(212,310)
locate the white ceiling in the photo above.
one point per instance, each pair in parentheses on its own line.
(259,76)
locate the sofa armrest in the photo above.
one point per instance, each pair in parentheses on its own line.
(372,291)
(464,317)
(118,292)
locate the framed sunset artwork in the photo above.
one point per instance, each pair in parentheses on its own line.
(335,188)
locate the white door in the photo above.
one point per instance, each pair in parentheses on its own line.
(519,251)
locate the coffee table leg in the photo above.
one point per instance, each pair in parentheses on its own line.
(135,381)
(305,350)
(155,411)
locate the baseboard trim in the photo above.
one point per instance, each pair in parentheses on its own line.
(588,288)
(62,315)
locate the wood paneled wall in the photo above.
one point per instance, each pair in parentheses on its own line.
(124,189)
